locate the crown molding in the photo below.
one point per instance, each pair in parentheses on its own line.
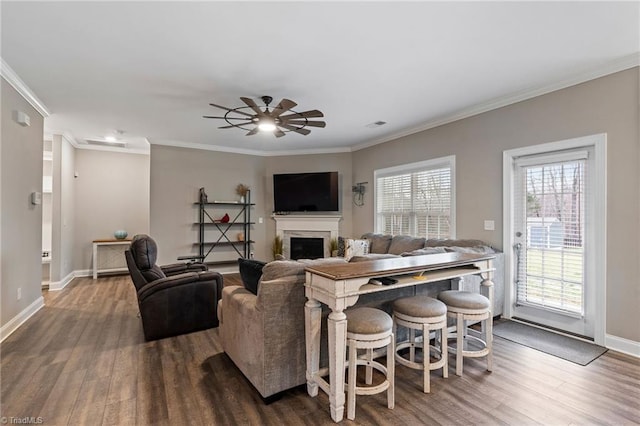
(611,67)
(258,153)
(21,87)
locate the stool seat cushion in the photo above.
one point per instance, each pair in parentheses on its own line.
(368,321)
(464,299)
(420,307)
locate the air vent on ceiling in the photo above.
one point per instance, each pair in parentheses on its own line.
(105,143)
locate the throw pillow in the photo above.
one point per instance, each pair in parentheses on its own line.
(378,243)
(250,273)
(352,247)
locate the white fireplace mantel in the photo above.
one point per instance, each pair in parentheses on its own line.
(324,226)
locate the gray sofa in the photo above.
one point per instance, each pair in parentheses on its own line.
(264,335)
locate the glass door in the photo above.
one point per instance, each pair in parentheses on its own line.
(552,213)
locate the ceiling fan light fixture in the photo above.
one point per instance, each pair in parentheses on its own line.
(277,121)
(266,125)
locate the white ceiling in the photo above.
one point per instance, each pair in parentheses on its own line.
(151,68)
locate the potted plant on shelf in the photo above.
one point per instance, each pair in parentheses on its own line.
(242,190)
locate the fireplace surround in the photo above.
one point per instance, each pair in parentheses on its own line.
(326,227)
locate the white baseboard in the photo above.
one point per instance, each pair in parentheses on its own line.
(19,319)
(83,273)
(59,285)
(626,346)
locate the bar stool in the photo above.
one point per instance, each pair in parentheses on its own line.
(468,306)
(369,328)
(425,314)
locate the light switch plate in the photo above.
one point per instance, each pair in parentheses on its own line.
(36,198)
(489,225)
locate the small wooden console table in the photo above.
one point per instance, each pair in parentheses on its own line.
(339,286)
(107,242)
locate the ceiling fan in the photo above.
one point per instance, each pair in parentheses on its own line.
(279,120)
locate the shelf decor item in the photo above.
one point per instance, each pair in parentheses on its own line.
(225,218)
(120,234)
(203,195)
(242,190)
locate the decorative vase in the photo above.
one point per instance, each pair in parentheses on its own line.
(242,199)
(240,236)
(120,234)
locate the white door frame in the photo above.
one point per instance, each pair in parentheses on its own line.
(598,269)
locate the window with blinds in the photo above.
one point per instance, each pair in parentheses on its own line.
(416,199)
(552,216)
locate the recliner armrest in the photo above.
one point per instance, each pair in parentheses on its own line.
(179,268)
(168,282)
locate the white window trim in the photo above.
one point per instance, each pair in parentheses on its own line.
(599,176)
(448,161)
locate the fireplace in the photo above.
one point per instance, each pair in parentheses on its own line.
(314,226)
(306,248)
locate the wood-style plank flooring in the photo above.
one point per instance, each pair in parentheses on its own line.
(82,360)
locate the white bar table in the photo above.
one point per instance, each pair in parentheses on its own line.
(340,285)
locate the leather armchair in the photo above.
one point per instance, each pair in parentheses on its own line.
(173,299)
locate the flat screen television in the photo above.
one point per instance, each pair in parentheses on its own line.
(305,192)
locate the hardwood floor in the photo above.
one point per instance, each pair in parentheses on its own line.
(83,360)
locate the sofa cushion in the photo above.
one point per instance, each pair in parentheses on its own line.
(435,242)
(250,273)
(405,243)
(285,268)
(426,250)
(349,247)
(378,243)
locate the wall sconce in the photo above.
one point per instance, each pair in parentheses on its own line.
(358,193)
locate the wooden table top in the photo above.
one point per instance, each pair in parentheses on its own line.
(397,265)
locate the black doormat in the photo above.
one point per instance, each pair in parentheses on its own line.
(574,350)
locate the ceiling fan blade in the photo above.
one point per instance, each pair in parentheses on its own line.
(253,131)
(306,114)
(284,105)
(231,109)
(295,129)
(235,125)
(252,104)
(305,123)
(224,118)
(279,133)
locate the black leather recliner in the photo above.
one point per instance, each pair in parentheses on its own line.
(173,299)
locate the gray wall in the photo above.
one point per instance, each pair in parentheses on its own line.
(605,105)
(21,222)
(176,176)
(111,193)
(178,173)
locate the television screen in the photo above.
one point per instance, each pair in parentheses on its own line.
(305,192)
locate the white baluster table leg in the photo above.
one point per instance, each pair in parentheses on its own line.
(337,350)
(313,319)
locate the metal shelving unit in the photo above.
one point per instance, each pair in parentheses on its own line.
(239,220)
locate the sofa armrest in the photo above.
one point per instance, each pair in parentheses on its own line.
(264,334)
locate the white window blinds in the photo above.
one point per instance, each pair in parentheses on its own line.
(552,217)
(416,199)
